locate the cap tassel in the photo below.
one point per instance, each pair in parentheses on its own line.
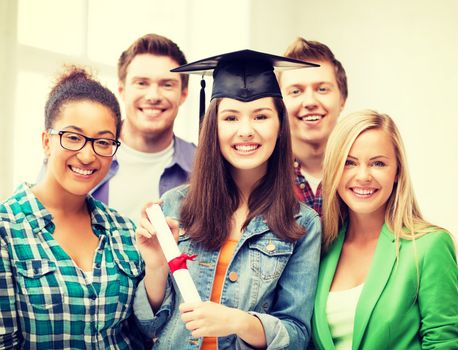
(202,102)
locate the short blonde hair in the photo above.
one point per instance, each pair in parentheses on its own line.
(302,49)
(402,216)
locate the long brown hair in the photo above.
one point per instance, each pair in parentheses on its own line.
(213,195)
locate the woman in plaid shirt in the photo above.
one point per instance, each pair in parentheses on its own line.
(68,264)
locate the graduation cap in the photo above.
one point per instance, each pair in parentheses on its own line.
(244,75)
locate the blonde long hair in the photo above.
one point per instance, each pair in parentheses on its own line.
(402,215)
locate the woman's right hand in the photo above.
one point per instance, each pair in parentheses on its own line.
(156,267)
(147,242)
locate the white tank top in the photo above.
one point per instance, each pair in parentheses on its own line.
(340,312)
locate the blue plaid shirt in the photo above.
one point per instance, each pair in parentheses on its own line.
(46,301)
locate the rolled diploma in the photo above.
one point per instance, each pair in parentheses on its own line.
(182,277)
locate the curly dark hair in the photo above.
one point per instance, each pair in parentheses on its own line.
(77,84)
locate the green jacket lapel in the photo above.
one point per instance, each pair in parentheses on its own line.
(327,271)
(379,273)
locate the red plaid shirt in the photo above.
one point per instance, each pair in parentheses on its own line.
(304,192)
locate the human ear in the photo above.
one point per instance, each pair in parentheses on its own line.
(342,104)
(45,142)
(121,89)
(184,95)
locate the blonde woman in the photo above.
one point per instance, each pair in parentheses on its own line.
(388,279)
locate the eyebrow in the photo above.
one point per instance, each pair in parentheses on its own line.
(255,111)
(325,83)
(321,82)
(372,158)
(102,132)
(263,109)
(141,77)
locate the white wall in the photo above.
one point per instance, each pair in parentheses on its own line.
(7,72)
(400,56)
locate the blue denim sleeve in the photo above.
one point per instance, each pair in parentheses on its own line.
(151,323)
(288,325)
(148,322)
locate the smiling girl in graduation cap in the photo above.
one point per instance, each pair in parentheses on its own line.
(257,247)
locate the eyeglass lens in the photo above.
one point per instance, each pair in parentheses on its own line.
(75,142)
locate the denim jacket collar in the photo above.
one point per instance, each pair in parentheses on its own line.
(257,226)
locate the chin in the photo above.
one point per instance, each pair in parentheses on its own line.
(80,193)
(78,190)
(365,210)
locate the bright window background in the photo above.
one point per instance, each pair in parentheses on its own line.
(400,57)
(37,27)
(113,25)
(93,33)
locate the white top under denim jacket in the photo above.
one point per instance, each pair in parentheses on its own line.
(277,285)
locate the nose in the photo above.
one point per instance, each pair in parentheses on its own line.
(309,102)
(86,155)
(153,93)
(245,128)
(363,174)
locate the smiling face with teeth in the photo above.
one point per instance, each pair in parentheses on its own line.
(369,174)
(247,134)
(314,102)
(78,172)
(152,96)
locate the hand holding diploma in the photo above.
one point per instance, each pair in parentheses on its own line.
(175,260)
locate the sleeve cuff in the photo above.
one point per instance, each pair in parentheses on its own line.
(277,336)
(149,322)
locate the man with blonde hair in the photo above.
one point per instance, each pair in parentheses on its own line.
(314,98)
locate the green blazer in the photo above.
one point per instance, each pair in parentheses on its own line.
(395,310)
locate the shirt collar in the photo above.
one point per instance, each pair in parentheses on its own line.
(98,212)
(39,217)
(182,156)
(259,225)
(297,167)
(32,209)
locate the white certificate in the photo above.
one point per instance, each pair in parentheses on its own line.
(182,276)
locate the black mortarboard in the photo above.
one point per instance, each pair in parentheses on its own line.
(244,75)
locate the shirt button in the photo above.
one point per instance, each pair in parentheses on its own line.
(233,276)
(270,247)
(97,265)
(93,297)
(302,185)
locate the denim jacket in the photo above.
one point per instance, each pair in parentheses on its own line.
(275,281)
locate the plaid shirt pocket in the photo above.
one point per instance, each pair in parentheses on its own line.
(129,272)
(38,285)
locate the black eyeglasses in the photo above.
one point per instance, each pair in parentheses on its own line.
(73,141)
